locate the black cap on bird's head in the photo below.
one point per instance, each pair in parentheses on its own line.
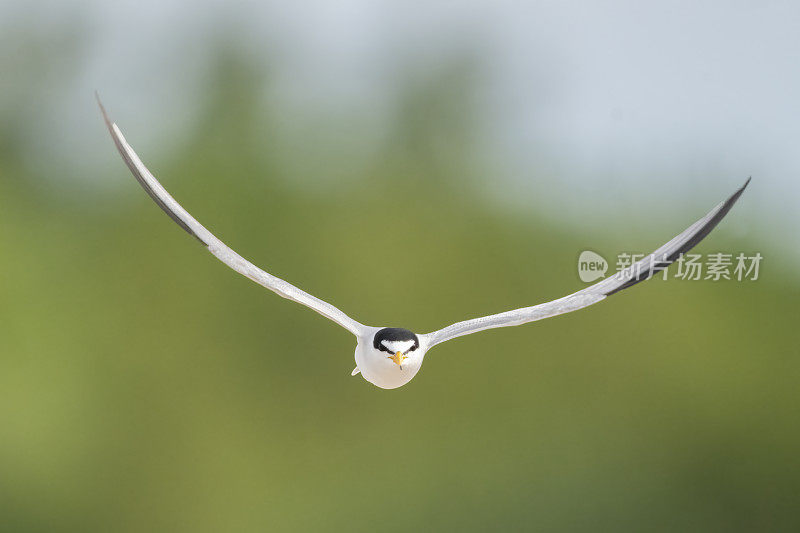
(390,336)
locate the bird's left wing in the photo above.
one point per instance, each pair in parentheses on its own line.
(639,271)
(216,246)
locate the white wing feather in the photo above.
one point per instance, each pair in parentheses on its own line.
(216,246)
(639,271)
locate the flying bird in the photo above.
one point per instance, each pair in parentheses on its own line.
(390,357)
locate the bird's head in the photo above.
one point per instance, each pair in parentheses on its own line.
(390,358)
(398,343)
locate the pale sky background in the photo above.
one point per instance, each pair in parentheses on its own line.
(589,107)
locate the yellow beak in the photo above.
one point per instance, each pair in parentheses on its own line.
(398,359)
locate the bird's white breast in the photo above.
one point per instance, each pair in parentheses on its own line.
(381,371)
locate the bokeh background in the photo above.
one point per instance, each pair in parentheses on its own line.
(416,164)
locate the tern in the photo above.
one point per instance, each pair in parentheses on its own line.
(390,357)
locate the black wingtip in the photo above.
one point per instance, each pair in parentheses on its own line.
(115,136)
(746,183)
(735,196)
(721,210)
(102,110)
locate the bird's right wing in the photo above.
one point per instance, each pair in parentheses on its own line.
(639,271)
(216,246)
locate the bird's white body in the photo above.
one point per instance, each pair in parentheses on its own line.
(378,368)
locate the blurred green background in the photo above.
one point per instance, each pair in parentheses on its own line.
(146,387)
